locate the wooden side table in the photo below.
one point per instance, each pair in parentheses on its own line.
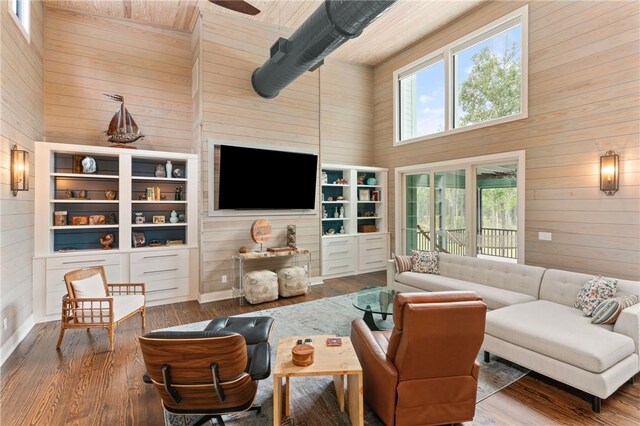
(336,361)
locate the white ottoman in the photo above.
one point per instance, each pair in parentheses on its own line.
(292,281)
(260,286)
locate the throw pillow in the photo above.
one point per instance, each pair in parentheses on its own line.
(609,310)
(89,287)
(425,262)
(403,263)
(593,293)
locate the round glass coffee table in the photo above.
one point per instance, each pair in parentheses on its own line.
(375,300)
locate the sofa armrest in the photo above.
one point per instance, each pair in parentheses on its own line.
(628,323)
(391,272)
(380,374)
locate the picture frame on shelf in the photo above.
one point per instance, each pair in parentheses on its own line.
(138,240)
(363,195)
(60,218)
(375,195)
(158,219)
(97,219)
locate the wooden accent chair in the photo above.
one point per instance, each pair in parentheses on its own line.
(424,371)
(210,372)
(92,303)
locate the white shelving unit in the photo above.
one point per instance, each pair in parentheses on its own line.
(59,249)
(364,245)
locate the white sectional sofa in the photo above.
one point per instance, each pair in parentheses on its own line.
(533,323)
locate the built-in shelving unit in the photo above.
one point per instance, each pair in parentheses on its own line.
(64,243)
(356,240)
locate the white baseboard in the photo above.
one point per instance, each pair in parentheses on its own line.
(12,342)
(316,280)
(215,296)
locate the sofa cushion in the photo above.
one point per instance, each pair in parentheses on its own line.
(495,298)
(507,276)
(593,292)
(425,262)
(559,332)
(402,262)
(563,286)
(608,311)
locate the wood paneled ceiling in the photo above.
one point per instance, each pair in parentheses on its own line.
(405,23)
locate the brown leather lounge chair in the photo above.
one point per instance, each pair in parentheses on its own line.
(210,372)
(424,371)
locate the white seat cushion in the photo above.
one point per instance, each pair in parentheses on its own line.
(89,287)
(495,298)
(124,304)
(559,332)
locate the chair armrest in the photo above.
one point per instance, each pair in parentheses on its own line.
(391,272)
(628,323)
(259,361)
(380,374)
(87,310)
(125,288)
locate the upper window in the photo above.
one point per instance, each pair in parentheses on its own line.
(20,12)
(476,81)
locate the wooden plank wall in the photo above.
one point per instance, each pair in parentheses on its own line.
(318,112)
(583,100)
(346,113)
(231,49)
(86,56)
(21,123)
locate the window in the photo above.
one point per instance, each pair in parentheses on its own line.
(20,12)
(476,81)
(467,207)
(422,101)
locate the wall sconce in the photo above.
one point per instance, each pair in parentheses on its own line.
(19,170)
(609,173)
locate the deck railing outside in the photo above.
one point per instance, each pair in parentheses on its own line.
(491,241)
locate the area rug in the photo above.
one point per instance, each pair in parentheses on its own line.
(313,400)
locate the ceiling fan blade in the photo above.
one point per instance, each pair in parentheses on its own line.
(237,6)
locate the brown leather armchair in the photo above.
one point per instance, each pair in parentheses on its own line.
(424,371)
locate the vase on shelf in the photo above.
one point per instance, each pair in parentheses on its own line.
(174,217)
(342,211)
(169,168)
(336,214)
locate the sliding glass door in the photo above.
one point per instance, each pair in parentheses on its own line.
(440,213)
(451,211)
(418,213)
(497,211)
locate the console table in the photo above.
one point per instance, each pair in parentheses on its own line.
(241,258)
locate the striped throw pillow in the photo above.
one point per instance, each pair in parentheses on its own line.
(608,311)
(403,263)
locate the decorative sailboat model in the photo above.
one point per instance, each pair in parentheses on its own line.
(122,128)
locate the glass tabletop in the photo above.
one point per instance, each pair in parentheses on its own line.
(377,300)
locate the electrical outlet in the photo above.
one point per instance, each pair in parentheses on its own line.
(224,279)
(544,236)
(5,324)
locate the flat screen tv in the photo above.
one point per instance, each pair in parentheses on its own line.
(262,179)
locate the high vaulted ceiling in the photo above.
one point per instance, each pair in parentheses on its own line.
(405,23)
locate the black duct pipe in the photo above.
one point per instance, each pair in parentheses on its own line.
(330,26)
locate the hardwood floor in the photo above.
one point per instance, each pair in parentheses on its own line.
(83,384)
